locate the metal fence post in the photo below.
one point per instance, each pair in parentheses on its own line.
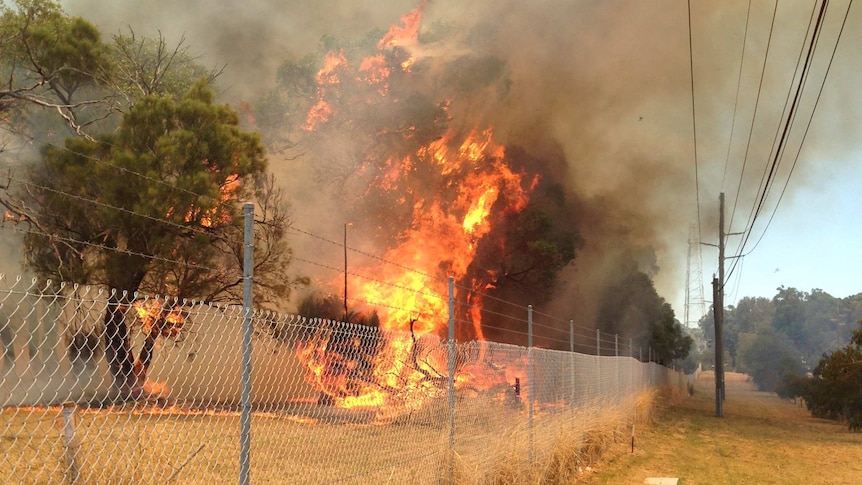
(451,379)
(631,364)
(71,443)
(530,374)
(599,360)
(247,303)
(572,359)
(617,365)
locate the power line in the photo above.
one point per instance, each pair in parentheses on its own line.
(807,127)
(95,202)
(123,251)
(736,98)
(125,170)
(779,150)
(754,115)
(694,120)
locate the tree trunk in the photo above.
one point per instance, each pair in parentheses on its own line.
(142,365)
(118,348)
(126,273)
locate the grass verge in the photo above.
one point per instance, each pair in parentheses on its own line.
(761,439)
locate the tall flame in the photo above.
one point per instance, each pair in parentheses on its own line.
(477,187)
(408,31)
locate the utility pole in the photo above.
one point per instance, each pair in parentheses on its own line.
(718,313)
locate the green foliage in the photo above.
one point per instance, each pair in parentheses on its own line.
(749,315)
(631,306)
(155,207)
(815,322)
(835,391)
(55,64)
(53,61)
(536,250)
(182,156)
(769,358)
(745,341)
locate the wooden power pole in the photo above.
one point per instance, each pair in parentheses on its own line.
(718,313)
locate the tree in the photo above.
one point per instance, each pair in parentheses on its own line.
(769,358)
(789,317)
(52,61)
(631,306)
(59,71)
(835,390)
(154,206)
(151,204)
(749,316)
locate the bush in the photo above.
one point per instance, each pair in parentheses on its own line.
(769,358)
(835,391)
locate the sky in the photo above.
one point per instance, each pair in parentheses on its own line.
(614,80)
(813,242)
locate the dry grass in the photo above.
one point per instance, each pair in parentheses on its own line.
(492,445)
(761,439)
(565,445)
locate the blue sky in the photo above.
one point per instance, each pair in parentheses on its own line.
(813,242)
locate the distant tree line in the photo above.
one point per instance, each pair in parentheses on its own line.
(798,344)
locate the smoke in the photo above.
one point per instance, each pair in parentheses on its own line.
(604,86)
(250,38)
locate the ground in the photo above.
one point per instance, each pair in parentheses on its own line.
(760,440)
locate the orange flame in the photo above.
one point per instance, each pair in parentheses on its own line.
(399,35)
(331,63)
(328,75)
(155,315)
(404,364)
(375,69)
(217,214)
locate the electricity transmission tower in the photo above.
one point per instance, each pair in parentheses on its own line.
(695,305)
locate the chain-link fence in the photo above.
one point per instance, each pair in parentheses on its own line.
(330,401)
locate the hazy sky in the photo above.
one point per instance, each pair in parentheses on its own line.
(813,240)
(620,104)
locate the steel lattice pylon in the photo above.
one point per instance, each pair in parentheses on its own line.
(695,304)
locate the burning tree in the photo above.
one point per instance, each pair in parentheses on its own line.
(154,206)
(386,124)
(145,195)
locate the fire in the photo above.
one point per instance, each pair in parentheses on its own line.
(156,389)
(375,69)
(399,35)
(216,215)
(154,316)
(328,74)
(403,362)
(317,115)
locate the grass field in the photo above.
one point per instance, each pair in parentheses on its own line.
(760,440)
(146,445)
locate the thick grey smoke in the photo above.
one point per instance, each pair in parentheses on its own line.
(607,82)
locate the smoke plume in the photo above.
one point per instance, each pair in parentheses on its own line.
(598,92)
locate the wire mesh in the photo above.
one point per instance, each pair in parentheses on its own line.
(332,402)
